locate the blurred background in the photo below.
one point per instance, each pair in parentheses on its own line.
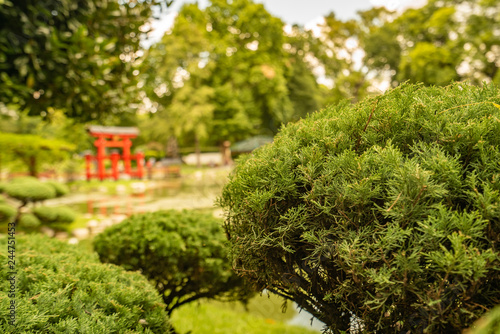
(192,85)
(191,76)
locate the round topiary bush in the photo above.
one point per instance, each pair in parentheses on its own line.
(59,188)
(50,215)
(385,214)
(29,221)
(183,253)
(29,190)
(7,213)
(63,289)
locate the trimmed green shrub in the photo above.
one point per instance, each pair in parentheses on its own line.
(488,324)
(181,252)
(50,215)
(29,190)
(64,289)
(29,221)
(7,213)
(24,179)
(386,212)
(59,188)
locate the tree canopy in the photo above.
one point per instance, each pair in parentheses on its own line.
(230,61)
(438,43)
(32,150)
(230,70)
(77,56)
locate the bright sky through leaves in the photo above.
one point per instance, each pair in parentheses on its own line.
(294,11)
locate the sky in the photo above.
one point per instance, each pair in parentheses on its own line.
(306,13)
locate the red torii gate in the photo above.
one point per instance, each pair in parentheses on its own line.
(113,136)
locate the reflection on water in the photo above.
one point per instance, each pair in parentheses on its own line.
(167,195)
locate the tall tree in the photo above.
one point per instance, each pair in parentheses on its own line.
(341,54)
(258,75)
(440,42)
(32,150)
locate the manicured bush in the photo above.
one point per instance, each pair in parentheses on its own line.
(387,212)
(50,215)
(183,253)
(488,324)
(29,190)
(64,289)
(59,188)
(29,221)
(7,213)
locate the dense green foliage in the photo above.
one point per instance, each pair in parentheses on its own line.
(223,73)
(440,42)
(59,188)
(7,212)
(32,150)
(387,211)
(182,253)
(28,190)
(75,56)
(488,324)
(50,215)
(227,71)
(63,289)
(29,221)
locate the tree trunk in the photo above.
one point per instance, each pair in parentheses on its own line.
(197,151)
(32,167)
(172,148)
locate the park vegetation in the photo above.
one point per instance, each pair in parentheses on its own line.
(182,253)
(62,288)
(379,212)
(228,71)
(382,215)
(27,193)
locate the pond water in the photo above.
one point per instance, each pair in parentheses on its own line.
(161,197)
(197,190)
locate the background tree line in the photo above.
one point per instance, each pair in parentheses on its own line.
(226,72)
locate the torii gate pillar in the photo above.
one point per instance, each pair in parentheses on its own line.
(118,137)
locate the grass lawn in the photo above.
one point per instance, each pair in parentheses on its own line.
(263,316)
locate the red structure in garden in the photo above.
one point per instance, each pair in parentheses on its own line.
(114,137)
